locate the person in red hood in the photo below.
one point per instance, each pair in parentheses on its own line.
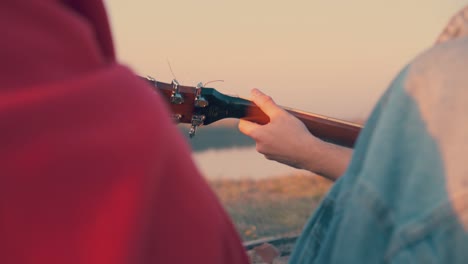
(91,168)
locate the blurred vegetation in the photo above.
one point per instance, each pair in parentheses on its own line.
(270,207)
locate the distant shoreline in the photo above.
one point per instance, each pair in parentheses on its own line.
(217,136)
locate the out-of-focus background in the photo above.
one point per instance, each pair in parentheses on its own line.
(333,58)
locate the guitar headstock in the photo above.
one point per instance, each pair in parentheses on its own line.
(199,105)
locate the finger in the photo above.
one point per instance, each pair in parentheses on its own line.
(248,127)
(265,102)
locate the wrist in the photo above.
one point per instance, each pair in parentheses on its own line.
(326,159)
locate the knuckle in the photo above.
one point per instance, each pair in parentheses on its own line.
(280,115)
(266,100)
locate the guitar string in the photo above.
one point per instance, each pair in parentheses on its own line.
(170,68)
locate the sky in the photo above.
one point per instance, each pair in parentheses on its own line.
(333,58)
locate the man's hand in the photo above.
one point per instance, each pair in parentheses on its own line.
(285,139)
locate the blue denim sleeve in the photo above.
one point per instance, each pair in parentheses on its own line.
(328,230)
(393,204)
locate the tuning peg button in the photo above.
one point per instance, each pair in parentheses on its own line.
(176,118)
(176,97)
(197,120)
(200,101)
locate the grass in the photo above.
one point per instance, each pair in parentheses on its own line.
(270,207)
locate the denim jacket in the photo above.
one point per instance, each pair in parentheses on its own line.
(404,197)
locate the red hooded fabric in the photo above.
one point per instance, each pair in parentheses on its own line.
(91,168)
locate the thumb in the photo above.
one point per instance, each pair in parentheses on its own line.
(265,102)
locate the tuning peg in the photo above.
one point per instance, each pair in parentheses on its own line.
(149,78)
(197,120)
(200,101)
(176,118)
(176,97)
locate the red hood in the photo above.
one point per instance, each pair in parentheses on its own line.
(91,168)
(45,41)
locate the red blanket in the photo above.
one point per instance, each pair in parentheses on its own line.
(91,168)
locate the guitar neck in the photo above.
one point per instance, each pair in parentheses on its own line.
(332,130)
(198,106)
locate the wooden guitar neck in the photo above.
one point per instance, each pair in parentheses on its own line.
(329,129)
(203,106)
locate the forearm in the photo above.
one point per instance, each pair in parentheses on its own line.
(327,160)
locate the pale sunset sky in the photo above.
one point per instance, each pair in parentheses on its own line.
(333,58)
